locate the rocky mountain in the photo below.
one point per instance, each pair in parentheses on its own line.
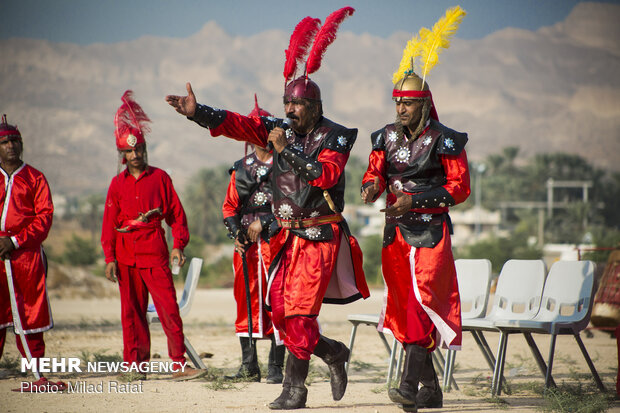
(556,89)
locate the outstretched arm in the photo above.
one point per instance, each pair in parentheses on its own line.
(218,121)
(185,105)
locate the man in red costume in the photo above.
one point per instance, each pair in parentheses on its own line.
(247,215)
(314,257)
(139,198)
(26,218)
(424,166)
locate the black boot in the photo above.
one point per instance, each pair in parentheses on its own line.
(335,354)
(276,362)
(429,395)
(294,391)
(249,370)
(415,357)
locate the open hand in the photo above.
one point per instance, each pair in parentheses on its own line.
(402,204)
(185,105)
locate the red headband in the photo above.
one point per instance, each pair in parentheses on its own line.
(411,93)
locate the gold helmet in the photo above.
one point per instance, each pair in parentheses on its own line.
(409,86)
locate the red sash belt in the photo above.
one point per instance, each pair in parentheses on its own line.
(309,222)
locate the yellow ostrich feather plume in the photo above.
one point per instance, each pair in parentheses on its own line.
(439,38)
(412,50)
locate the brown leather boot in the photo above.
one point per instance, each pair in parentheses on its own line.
(335,354)
(430,394)
(294,392)
(406,393)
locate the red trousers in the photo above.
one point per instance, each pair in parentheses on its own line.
(422,304)
(135,284)
(35,342)
(300,333)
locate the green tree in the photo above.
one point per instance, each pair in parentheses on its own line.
(371,246)
(498,250)
(354,171)
(79,251)
(203,203)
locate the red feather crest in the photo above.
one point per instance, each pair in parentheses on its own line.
(298,45)
(130,115)
(325,36)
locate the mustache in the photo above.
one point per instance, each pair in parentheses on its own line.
(291,116)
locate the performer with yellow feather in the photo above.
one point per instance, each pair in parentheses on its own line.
(423,165)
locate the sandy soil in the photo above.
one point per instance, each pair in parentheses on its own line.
(89,327)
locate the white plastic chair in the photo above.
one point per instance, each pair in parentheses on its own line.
(185,304)
(474,279)
(373,320)
(565,309)
(517,297)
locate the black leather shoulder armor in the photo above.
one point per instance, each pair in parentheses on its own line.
(341,139)
(377,139)
(450,142)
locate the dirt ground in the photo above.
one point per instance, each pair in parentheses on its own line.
(90,327)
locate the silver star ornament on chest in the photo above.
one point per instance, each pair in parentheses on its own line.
(427,141)
(392,136)
(249,161)
(402,155)
(342,141)
(260,198)
(448,143)
(261,171)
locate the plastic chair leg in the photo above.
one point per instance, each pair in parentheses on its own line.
(597,379)
(351,342)
(193,356)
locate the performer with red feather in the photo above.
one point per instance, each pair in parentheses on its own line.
(315,259)
(139,198)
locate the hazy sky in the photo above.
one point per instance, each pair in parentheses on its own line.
(110,21)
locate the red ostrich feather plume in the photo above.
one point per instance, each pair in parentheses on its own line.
(298,45)
(325,36)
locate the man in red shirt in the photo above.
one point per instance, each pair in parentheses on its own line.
(26,217)
(134,244)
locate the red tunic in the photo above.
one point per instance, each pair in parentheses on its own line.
(341,274)
(142,257)
(422,304)
(258,260)
(27,210)
(127,198)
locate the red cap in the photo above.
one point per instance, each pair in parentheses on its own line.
(8,131)
(130,123)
